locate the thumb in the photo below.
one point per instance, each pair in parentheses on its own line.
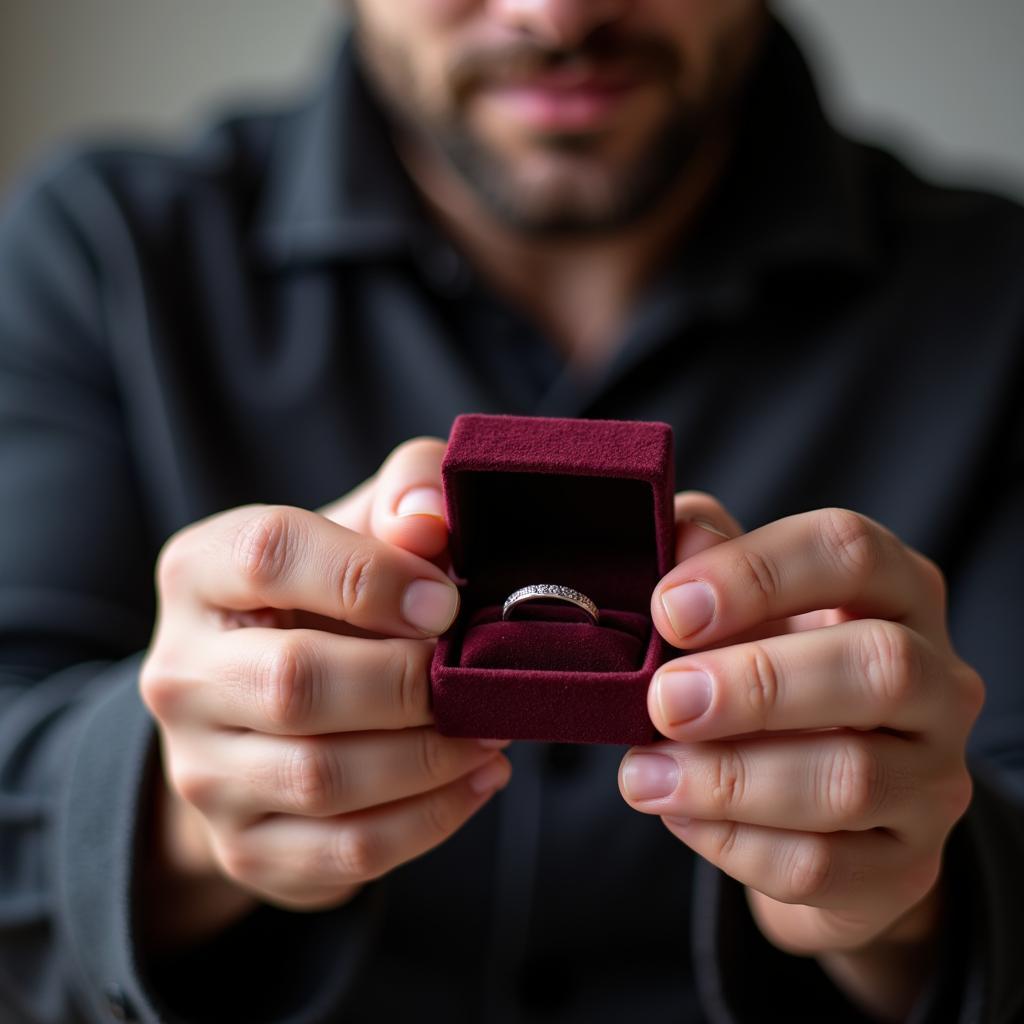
(702,521)
(402,502)
(408,505)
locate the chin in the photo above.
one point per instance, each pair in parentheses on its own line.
(586,193)
(572,183)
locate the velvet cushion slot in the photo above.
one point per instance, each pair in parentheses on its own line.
(555,639)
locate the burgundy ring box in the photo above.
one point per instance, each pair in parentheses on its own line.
(585,503)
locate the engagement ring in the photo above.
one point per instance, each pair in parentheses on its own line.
(549,592)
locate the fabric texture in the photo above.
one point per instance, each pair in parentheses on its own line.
(262,316)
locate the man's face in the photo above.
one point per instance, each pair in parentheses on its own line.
(562,115)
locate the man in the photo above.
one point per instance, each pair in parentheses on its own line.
(225,798)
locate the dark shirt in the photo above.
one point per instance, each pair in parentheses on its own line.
(262,317)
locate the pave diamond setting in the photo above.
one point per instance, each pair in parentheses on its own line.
(550,591)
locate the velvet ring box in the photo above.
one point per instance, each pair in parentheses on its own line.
(585,503)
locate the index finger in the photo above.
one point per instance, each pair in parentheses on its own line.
(830,558)
(276,556)
(305,682)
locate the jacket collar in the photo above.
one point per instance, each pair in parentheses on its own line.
(794,195)
(335,187)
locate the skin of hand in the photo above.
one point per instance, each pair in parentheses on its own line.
(816,730)
(289,678)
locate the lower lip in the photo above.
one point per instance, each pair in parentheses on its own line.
(559,110)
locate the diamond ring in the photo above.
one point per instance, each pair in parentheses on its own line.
(550,592)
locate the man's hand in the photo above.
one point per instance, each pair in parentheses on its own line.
(288,674)
(817,732)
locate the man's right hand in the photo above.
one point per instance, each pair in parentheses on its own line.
(289,676)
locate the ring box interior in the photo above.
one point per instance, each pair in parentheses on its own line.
(585,503)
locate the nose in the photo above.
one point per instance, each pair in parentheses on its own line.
(561,23)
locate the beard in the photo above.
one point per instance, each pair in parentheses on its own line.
(580,189)
(588,196)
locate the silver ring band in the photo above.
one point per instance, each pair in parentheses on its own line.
(550,591)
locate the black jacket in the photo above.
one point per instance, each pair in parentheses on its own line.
(263,316)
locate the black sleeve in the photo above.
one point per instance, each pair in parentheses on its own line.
(978,977)
(77,607)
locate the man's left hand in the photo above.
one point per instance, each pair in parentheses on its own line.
(817,728)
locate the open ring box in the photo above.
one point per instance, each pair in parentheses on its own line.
(585,503)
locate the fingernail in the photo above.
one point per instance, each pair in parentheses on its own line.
(649,776)
(421,501)
(705,524)
(682,695)
(494,744)
(429,605)
(689,607)
(489,776)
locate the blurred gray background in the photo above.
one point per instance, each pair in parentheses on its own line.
(942,80)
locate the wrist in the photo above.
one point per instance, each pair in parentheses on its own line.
(887,975)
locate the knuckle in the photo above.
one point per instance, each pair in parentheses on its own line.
(727,780)
(311,779)
(432,756)
(853,784)
(726,842)
(406,670)
(762,576)
(261,545)
(850,542)
(198,788)
(285,683)
(160,687)
(172,564)
(762,677)
(891,662)
(808,870)
(972,688)
(355,575)
(438,815)
(355,854)
(935,578)
(239,860)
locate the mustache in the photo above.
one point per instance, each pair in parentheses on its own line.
(647,55)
